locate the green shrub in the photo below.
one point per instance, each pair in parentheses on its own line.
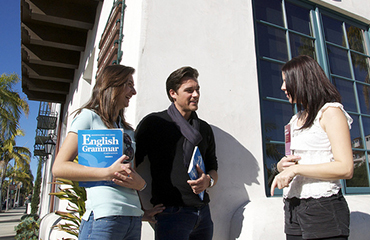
(28,228)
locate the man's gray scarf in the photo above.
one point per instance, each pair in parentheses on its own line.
(190,130)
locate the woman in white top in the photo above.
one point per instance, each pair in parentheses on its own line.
(112,212)
(322,155)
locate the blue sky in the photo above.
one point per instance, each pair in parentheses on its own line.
(10,62)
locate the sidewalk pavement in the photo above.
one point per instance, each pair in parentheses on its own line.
(8,220)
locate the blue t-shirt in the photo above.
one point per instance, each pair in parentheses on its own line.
(107,201)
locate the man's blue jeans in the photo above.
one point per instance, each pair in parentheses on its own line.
(111,228)
(184,223)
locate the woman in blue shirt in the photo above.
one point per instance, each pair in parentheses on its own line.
(112,212)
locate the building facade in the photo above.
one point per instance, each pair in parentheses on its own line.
(238,48)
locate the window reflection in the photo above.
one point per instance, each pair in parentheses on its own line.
(272,42)
(333,31)
(274,152)
(355,38)
(360,67)
(298,18)
(302,46)
(360,175)
(338,60)
(270,77)
(366,127)
(364,97)
(347,93)
(269,11)
(276,115)
(356,138)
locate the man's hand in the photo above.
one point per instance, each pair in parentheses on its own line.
(149,214)
(200,184)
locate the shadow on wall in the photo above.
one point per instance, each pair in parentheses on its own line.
(237,167)
(359,225)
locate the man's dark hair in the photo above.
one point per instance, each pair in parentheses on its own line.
(177,77)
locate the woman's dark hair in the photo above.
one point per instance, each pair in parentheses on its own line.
(104,98)
(307,84)
(176,78)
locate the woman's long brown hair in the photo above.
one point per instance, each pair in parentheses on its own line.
(104,98)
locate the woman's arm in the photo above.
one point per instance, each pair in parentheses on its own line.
(334,123)
(64,167)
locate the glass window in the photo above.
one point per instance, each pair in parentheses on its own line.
(269,11)
(347,93)
(360,66)
(355,38)
(360,176)
(276,116)
(298,18)
(364,97)
(366,121)
(273,41)
(356,138)
(301,45)
(271,80)
(274,152)
(338,60)
(333,30)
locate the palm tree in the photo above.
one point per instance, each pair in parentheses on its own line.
(11,105)
(9,151)
(21,176)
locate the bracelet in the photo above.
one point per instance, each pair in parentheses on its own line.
(143,188)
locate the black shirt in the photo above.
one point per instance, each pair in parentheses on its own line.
(158,137)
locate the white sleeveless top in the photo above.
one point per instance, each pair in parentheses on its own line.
(313,146)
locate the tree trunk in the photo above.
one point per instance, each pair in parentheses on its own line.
(36,189)
(7,200)
(2,176)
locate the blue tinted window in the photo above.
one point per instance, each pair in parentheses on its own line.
(271,80)
(269,11)
(347,93)
(333,30)
(301,46)
(298,18)
(355,38)
(273,41)
(364,97)
(338,59)
(275,116)
(360,66)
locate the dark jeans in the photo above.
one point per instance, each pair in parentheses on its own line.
(111,228)
(184,223)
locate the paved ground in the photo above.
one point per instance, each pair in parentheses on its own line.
(8,220)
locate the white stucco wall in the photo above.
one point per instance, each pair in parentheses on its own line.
(217,38)
(219,42)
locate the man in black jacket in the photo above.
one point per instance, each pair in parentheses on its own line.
(169,138)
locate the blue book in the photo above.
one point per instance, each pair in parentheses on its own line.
(99,148)
(196,158)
